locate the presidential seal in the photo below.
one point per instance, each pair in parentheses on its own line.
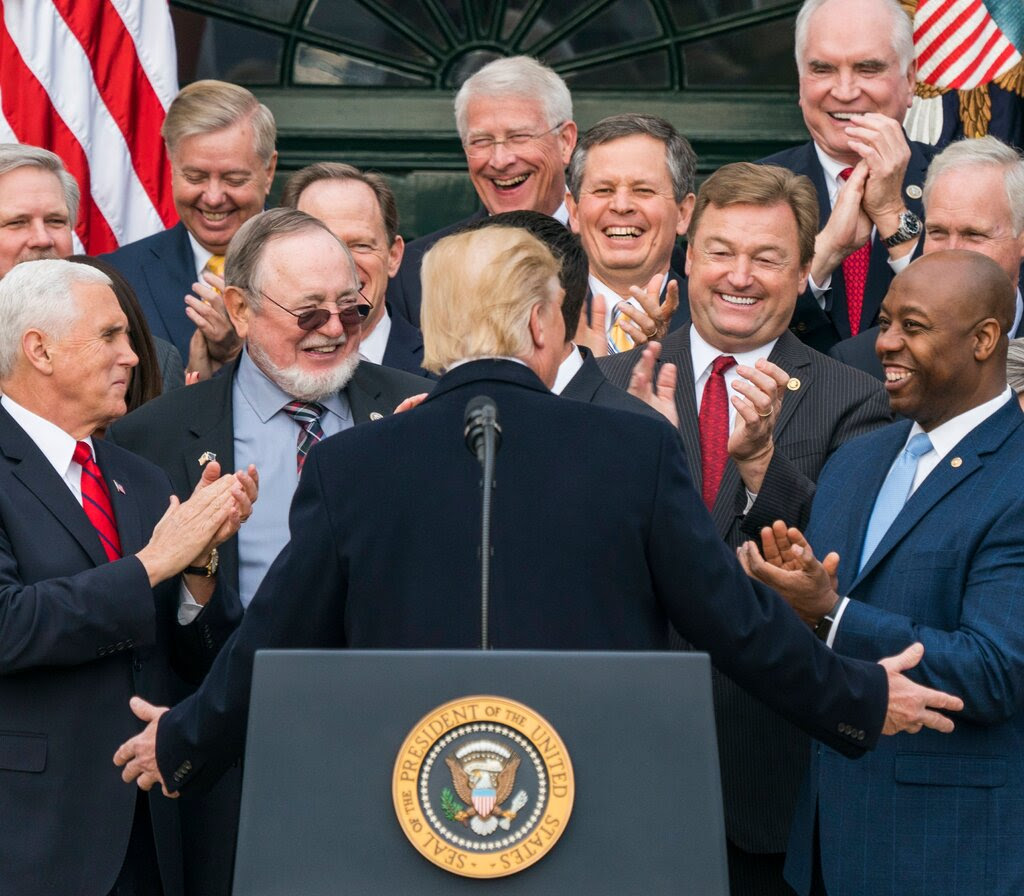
(483,786)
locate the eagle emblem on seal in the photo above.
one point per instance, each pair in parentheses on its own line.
(483,775)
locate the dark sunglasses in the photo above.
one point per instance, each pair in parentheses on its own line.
(315,318)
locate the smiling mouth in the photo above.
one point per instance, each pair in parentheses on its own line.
(896,375)
(622,233)
(509,183)
(213,217)
(740,301)
(844,116)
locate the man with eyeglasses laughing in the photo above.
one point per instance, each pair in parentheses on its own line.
(293,297)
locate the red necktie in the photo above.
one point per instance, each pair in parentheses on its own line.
(855,275)
(96,501)
(713,421)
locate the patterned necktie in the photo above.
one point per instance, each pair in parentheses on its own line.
(713,422)
(96,501)
(618,339)
(894,493)
(855,275)
(307,414)
(215,265)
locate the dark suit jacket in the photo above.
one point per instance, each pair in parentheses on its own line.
(404,350)
(763,758)
(936,813)
(161,269)
(821,329)
(341,583)
(592,386)
(79,636)
(173,431)
(172,370)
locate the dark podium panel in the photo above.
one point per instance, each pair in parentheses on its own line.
(325,728)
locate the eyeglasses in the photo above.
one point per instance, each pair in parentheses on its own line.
(479,147)
(315,318)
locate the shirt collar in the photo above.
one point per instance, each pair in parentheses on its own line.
(832,169)
(200,255)
(372,347)
(703,353)
(945,437)
(266,398)
(569,367)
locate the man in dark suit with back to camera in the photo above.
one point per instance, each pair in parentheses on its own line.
(91,602)
(855,59)
(295,382)
(359,208)
(494,324)
(757,459)
(919,525)
(221,145)
(973,199)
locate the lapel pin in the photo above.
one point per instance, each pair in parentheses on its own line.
(206,457)
(955,462)
(376,415)
(914,191)
(793,384)
(118,486)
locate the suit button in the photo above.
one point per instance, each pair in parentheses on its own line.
(801,327)
(860,735)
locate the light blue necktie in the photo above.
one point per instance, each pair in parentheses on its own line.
(893,493)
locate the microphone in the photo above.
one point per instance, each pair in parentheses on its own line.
(483,438)
(481,416)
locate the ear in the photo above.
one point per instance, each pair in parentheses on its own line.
(395,254)
(685,213)
(567,140)
(237,307)
(689,257)
(271,168)
(987,335)
(37,347)
(805,272)
(573,209)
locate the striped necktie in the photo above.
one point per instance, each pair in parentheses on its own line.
(307,414)
(618,339)
(96,501)
(713,424)
(855,275)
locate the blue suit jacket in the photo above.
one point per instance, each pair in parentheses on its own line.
(555,583)
(161,269)
(404,350)
(78,637)
(929,813)
(823,328)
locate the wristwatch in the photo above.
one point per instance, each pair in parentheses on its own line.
(910,228)
(824,627)
(207,571)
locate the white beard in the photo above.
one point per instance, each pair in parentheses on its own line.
(300,383)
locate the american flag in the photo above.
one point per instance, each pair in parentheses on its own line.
(91,80)
(962,44)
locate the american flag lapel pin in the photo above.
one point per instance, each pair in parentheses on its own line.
(206,457)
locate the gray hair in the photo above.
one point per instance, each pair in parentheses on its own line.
(38,295)
(205,106)
(977,152)
(243,262)
(902,31)
(516,76)
(679,155)
(21,155)
(1015,365)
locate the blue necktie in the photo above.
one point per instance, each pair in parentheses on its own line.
(893,493)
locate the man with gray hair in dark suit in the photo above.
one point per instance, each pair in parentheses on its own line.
(755,456)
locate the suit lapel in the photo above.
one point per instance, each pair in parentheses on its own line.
(364,397)
(32,469)
(956,467)
(124,500)
(676,350)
